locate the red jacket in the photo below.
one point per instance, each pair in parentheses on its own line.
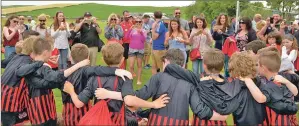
(229,48)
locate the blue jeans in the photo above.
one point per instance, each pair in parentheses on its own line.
(9,50)
(62,61)
(196,65)
(218,44)
(226,59)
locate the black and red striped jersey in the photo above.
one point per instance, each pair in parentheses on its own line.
(12,86)
(281,107)
(114,106)
(181,93)
(79,78)
(41,80)
(223,97)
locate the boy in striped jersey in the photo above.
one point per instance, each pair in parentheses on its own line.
(79,52)
(40,80)
(12,87)
(112,54)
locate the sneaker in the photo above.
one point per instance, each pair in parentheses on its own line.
(146,67)
(139,83)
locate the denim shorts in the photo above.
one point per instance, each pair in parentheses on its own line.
(136,53)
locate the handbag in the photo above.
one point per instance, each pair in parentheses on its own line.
(195,53)
(100,44)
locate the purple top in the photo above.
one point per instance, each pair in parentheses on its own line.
(137,39)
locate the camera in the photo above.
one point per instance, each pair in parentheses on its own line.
(271,20)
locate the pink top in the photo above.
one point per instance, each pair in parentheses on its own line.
(137,38)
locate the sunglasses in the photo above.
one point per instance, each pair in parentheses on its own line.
(138,21)
(177,13)
(42,20)
(242,22)
(113,19)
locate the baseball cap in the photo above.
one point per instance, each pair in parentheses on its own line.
(87,14)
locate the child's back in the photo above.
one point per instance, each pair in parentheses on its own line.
(79,80)
(72,114)
(279,96)
(12,93)
(111,83)
(181,93)
(13,88)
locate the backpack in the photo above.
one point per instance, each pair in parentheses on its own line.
(99,114)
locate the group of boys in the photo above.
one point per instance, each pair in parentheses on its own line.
(253,99)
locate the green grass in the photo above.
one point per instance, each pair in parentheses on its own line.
(101,11)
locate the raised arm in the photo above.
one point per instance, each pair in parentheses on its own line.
(28,69)
(7,35)
(54,33)
(78,27)
(290,85)
(255,91)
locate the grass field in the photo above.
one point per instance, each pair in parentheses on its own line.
(101,11)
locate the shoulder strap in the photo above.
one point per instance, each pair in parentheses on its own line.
(99,82)
(114,86)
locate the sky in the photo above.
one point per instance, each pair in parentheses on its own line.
(122,3)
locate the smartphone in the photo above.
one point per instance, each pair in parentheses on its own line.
(271,20)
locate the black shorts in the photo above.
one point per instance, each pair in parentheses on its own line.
(126,50)
(188,51)
(11,118)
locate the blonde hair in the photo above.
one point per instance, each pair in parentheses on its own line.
(112,53)
(27,47)
(241,64)
(19,46)
(43,16)
(112,15)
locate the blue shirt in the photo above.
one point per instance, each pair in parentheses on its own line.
(158,44)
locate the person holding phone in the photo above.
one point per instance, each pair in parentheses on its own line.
(177,38)
(90,30)
(11,35)
(272,24)
(137,37)
(113,31)
(60,32)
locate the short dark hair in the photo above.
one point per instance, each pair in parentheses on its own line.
(125,11)
(255,46)
(146,16)
(174,56)
(158,14)
(247,22)
(27,34)
(214,60)
(204,25)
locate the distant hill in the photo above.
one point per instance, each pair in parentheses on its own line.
(101,11)
(14,10)
(12,6)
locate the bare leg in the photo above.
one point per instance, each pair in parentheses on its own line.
(139,65)
(132,61)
